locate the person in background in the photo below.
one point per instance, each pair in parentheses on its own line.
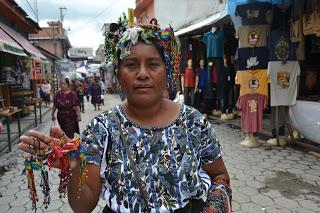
(1,127)
(46,89)
(66,103)
(81,94)
(95,92)
(103,90)
(86,88)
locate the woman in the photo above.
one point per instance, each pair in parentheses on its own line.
(67,104)
(95,91)
(173,146)
(46,89)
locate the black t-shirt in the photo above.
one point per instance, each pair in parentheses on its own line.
(253,13)
(253,58)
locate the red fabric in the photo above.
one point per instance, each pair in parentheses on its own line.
(189,78)
(214,75)
(67,116)
(251,106)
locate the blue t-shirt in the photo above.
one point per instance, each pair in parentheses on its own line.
(253,58)
(202,72)
(214,43)
(280,47)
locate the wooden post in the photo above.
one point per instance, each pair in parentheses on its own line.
(277,125)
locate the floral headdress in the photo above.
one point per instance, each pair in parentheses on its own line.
(122,38)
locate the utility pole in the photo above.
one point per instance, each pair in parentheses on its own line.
(61,14)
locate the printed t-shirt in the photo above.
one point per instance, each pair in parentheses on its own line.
(252,58)
(308,23)
(253,81)
(253,36)
(296,33)
(189,78)
(251,107)
(253,13)
(214,43)
(283,82)
(280,47)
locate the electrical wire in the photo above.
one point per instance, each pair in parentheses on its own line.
(28,3)
(99,14)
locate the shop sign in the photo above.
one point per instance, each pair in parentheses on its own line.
(36,70)
(80,52)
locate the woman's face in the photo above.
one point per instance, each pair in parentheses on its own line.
(63,85)
(142,75)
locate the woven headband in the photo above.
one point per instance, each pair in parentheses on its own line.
(121,39)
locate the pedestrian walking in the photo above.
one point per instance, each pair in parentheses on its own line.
(103,90)
(67,104)
(95,92)
(46,92)
(81,94)
(148,154)
(86,89)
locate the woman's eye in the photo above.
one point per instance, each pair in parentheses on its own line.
(154,64)
(130,64)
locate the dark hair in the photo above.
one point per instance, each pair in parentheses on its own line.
(67,81)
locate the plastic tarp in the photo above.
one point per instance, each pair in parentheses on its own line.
(305,118)
(8,45)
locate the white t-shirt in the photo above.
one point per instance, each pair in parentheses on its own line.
(283,85)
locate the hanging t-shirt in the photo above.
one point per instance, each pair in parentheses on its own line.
(296,33)
(253,81)
(202,73)
(214,44)
(283,82)
(317,23)
(251,107)
(308,23)
(254,13)
(189,78)
(252,58)
(253,35)
(280,47)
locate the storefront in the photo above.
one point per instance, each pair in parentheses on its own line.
(278,54)
(21,68)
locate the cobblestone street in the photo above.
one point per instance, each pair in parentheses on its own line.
(276,180)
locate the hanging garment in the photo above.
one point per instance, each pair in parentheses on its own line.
(283,82)
(253,35)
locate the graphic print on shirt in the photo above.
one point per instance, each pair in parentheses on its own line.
(253,105)
(252,62)
(253,38)
(254,83)
(282,49)
(283,80)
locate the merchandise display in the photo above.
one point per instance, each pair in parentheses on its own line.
(59,150)
(283,82)
(252,58)
(251,107)
(253,35)
(253,81)
(254,13)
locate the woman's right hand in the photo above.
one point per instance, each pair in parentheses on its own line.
(37,143)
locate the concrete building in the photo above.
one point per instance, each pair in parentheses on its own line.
(188,15)
(53,39)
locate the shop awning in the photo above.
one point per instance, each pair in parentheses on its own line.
(23,42)
(8,45)
(208,21)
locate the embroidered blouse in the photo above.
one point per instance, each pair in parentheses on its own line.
(170,168)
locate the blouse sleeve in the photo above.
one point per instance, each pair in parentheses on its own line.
(94,139)
(209,146)
(75,100)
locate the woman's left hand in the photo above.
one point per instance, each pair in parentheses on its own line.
(79,118)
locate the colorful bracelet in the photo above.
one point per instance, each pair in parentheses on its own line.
(64,152)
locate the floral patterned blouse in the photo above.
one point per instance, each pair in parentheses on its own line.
(170,167)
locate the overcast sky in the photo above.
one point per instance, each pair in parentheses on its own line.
(84,17)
